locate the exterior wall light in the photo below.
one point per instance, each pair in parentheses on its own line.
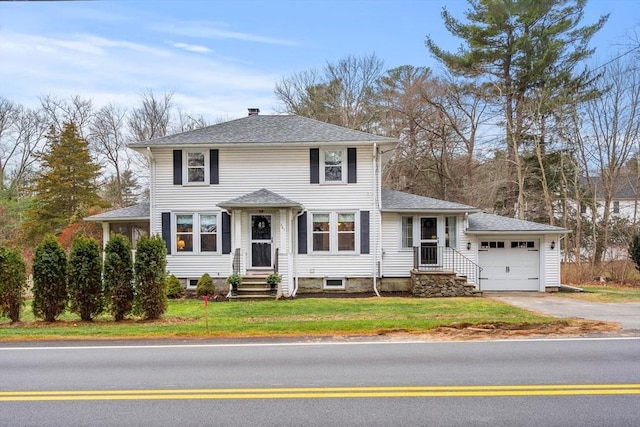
(468,246)
(553,244)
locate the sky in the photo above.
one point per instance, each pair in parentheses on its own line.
(220,57)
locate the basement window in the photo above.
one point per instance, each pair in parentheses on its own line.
(334,283)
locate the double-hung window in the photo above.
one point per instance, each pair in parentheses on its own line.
(333,232)
(196,233)
(346,232)
(321,232)
(196,169)
(333,166)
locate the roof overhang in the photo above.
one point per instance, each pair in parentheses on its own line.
(519,232)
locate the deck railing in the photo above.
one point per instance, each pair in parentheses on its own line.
(440,258)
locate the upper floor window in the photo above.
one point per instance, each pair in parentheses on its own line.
(333,165)
(196,166)
(333,161)
(616,206)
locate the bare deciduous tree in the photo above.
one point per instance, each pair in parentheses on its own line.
(152,118)
(344,94)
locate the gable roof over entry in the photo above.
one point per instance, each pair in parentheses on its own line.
(260,198)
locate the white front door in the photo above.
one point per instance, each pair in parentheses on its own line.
(261,241)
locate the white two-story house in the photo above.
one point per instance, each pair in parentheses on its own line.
(303,198)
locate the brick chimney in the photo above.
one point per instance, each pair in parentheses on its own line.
(254,111)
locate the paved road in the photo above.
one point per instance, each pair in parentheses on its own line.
(584,382)
(627,314)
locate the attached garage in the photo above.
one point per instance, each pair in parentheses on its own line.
(509,264)
(515,255)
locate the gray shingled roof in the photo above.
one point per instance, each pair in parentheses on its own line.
(489,223)
(135,212)
(395,201)
(266,129)
(262,197)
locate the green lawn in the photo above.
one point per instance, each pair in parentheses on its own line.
(303,316)
(606,293)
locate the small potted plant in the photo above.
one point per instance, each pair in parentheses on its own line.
(234,280)
(274,280)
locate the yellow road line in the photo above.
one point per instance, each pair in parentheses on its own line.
(325,392)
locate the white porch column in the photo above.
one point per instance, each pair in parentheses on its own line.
(237,237)
(105,234)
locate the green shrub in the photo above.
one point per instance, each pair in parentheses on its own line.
(13,283)
(118,276)
(205,286)
(150,271)
(49,279)
(634,250)
(174,287)
(84,281)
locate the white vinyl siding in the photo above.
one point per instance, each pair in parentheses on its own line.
(284,171)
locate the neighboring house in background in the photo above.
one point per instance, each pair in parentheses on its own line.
(624,203)
(301,197)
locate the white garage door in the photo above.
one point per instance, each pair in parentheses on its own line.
(509,265)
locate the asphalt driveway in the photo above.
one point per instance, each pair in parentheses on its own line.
(627,314)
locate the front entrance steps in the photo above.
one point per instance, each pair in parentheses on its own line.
(254,287)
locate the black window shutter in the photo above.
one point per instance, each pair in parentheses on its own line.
(226,233)
(177,167)
(352,174)
(214,177)
(314,165)
(166,230)
(302,233)
(364,232)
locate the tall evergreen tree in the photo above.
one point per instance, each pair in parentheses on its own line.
(84,280)
(118,276)
(523,48)
(49,279)
(67,185)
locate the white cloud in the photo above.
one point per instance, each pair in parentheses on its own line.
(117,71)
(192,47)
(213,30)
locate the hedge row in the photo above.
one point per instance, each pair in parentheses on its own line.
(83,283)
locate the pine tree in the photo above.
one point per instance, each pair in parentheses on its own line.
(66,187)
(523,49)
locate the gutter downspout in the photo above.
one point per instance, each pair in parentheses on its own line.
(152,193)
(376,213)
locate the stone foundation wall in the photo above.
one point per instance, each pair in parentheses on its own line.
(432,284)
